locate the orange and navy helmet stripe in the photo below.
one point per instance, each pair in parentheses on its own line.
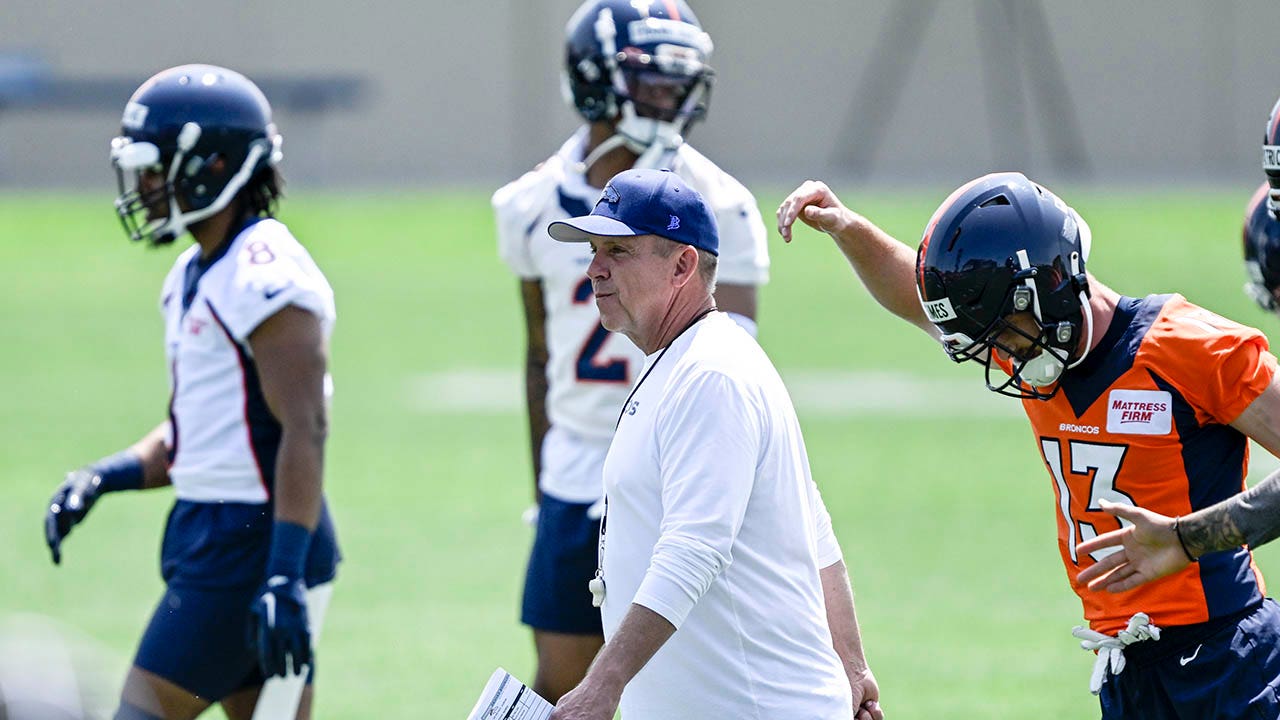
(1258,196)
(673,11)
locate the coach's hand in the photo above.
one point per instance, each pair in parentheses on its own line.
(866,696)
(70,504)
(278,628)
(586,702)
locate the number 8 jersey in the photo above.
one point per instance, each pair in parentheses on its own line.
(1145,421)
(590,370)
(223,438)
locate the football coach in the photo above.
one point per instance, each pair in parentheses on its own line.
(722,588)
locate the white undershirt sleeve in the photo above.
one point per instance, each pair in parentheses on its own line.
(709,442)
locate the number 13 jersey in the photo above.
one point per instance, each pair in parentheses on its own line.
(1144,421)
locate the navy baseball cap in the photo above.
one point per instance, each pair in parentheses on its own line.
(645,202)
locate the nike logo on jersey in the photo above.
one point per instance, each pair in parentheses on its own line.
(272,292)
(1183,661)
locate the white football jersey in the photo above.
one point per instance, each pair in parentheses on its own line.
(590,370)
(223,439)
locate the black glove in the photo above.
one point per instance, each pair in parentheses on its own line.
(69,505)
(278,626)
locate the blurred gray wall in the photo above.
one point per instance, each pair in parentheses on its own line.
(905,91)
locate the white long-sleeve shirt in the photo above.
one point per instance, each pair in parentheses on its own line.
(714,522)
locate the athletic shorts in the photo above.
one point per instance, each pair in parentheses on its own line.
(213,561)
(563,561)
(1224,669)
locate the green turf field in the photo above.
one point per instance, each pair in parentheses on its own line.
(947,521)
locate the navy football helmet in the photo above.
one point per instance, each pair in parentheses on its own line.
(1271,158)
(642,64)
(201,133)
(1262,251)
(1002,246)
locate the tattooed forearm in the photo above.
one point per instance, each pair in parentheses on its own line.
(1251,518)
(1257,513)
(1210,530)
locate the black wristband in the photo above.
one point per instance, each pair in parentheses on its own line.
(1178,532)
(122,471)
(289,545)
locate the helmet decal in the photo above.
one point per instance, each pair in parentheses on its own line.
(938,311)
(1271,157)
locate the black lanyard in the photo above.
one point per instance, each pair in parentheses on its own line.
(644,377)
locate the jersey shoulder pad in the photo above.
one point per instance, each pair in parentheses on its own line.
(1217,364)
(718,188)
(528,195)
(271,270)
(744,247)
(517,208)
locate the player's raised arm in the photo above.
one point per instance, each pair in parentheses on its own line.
(885,265)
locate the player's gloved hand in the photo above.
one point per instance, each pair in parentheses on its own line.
(70,504)
(278,626)
(81,488)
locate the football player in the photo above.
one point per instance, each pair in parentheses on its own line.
(1141,402)
(249,549)
(1262,251)
(1153,545)
(638,74)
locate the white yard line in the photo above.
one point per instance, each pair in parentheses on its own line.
(816,393)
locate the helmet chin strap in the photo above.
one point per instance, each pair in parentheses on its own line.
(1085,310)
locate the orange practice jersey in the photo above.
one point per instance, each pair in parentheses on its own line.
(1143,421)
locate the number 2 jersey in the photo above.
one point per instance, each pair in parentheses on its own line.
(1144,421)
(223,439)
(590,370)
